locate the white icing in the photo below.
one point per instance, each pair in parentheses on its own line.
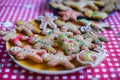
(7,24)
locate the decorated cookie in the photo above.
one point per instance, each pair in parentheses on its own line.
(13,37)
(45,43)
(70,14)
(27,27)
(95,14)
(111,5)
(27,52)
(59,59)
(54,34)
(46,20)
(59,6)
(57,1)
(81,4)
(69,45)
(95,25)
(87,42)
(68,26)
(91,58)
(97,38)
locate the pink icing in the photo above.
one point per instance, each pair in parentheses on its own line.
(19,37)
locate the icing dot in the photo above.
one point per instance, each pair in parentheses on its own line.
(72,44)
(72,48)
(65,42)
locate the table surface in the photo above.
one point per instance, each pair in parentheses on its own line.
(13,10)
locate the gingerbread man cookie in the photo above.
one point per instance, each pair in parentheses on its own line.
(48,19)
(87,42)
(69,45)
(70,14)
(13,37)
(59,59)
(68,26)
(27,52)
(91,58)
(27,27)
(45,43)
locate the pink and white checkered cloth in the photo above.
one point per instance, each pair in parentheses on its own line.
(13,10)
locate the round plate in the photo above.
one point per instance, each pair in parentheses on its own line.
(42,71)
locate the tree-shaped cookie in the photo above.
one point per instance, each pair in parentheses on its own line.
(45,43)
(13,37)
(70,14)
(68,26)
(47,19)
(69,45)
(27,52)
(27,27)
(59,59)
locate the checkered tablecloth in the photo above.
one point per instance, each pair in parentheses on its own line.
(13,10)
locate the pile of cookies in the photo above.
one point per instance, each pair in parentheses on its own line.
(59,40)
(91,9)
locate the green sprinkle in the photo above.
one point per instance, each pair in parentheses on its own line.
(51,32)
(73,52)
(85,34)
(95,13)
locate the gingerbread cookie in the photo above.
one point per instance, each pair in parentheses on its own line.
(97,38)
(87,42)
(69,45)
(13,37)
(95,25)
(92,58)
(70,14)
(68,26)
(111,5)
(27,52)
(57,1)
(54,34)
(59,59)
(59,6)
(80,5)
(45,43)
(27,27)
(95,14)
(46,20)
